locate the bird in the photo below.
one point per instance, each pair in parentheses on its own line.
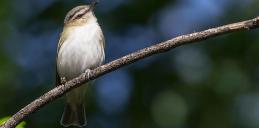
(80,49)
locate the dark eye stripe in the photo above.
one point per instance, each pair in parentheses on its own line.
(77,13)
(79,16)
(70,17)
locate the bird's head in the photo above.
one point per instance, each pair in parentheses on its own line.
(80,14)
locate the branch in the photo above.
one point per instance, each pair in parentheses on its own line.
(126,60)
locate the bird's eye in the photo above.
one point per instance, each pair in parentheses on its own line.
(79,16)
(70,17)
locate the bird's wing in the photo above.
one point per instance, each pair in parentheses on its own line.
(60,43)
(57,78)
(62,39)
(101,38)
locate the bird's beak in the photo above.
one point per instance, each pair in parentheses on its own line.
(93,4)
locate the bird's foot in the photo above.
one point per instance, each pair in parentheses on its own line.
(63,80)
(87,73)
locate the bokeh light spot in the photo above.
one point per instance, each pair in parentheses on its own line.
(169,109)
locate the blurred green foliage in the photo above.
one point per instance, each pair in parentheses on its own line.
(20,125)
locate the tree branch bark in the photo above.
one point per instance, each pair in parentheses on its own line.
(126,60)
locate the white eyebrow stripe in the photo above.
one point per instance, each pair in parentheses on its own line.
(82,11)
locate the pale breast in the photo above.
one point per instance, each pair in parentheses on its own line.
(81,50)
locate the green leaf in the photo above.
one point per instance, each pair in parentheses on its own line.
(21,125)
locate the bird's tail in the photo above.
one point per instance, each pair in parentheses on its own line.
(74,112)
(73,115)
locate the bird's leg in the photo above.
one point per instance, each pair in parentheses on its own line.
(63,80)
(87,73)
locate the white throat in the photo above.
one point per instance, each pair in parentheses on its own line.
(83,49)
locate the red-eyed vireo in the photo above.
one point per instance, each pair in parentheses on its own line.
(80,48)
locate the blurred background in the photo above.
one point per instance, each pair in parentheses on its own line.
(210,84)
